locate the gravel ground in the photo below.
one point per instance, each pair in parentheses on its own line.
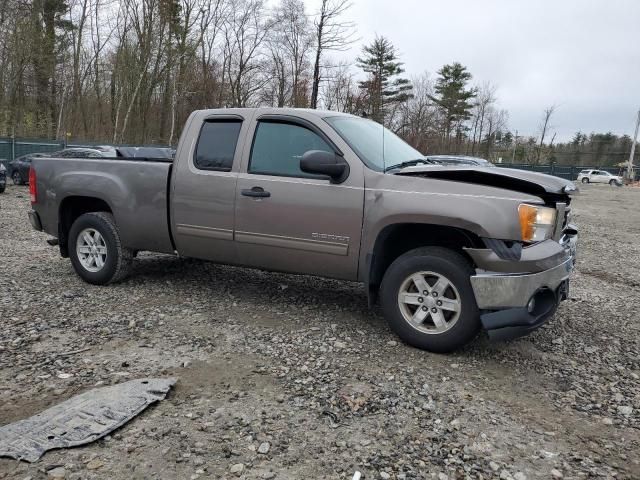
(283,376)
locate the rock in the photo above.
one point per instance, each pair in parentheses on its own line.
(355,395)
(264,448)
(57,473)
(625,410)
(519,476)
(198,461)
(339,344)
(505,475)
(95,464)
(556,473)
(443,476)
(384,475)
(392,343)
(494,466)
(237,469)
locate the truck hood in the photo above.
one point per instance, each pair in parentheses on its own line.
(523,181)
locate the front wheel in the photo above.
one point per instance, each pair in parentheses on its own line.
(428,301)
(614,183)
(585,180)
(96,250)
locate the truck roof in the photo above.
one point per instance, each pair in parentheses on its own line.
(275,110)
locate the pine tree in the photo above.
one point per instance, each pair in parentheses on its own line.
(380,62)
(452,96)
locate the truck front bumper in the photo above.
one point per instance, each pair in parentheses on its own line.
(514,304)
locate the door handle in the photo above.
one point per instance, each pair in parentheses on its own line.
(256,192)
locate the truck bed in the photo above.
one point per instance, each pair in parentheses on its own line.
(135,190)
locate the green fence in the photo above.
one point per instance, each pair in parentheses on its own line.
(11,148)
(568,172)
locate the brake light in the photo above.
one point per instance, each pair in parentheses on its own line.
(33,188)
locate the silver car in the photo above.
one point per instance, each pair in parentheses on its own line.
(599,176)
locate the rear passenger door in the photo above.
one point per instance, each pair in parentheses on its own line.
(204,187)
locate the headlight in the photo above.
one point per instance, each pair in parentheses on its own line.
(536,223)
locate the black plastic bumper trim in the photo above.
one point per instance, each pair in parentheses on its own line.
(34,219)
(512,323)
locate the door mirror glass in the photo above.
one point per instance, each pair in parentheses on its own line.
(318,162)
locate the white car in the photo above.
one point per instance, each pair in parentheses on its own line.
(599,176)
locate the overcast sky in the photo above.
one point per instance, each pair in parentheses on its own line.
(581,55)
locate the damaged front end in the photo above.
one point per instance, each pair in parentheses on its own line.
(519,284)
(519,288)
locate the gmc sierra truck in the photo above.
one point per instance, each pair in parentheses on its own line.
(447,251)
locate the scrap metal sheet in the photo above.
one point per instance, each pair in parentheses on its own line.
(81,419)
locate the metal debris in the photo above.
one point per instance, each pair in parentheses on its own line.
(81,419)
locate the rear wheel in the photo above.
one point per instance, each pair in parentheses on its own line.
(585,180)
(17,179)
(96,250)
(428,301)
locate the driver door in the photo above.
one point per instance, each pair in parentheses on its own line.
(288,220)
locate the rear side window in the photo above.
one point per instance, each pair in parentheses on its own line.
(217,145)
(278,148)
(585,172)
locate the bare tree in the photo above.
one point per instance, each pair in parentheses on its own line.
(331,34)
(544,127)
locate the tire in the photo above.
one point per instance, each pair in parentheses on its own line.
(585,180)
(2,188)
(114,265)
(614,183)
(17,179)
(454,268)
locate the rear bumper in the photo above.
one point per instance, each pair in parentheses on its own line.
(34,220)
(515,304)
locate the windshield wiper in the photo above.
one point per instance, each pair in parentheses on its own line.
(408,163)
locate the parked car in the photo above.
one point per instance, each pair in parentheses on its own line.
(599,176)
(459,161)
(87,152)
(3,178)
(19,168)
(448,251)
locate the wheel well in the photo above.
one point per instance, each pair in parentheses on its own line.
(394,240)
(70,209)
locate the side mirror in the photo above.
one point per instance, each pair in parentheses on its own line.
(318,162)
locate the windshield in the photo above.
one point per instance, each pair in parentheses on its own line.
(367,138)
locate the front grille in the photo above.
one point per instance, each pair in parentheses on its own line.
(561,219)
(567,217)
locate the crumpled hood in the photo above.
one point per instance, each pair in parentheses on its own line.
(508,178)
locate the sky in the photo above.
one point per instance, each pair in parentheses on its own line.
(583,56)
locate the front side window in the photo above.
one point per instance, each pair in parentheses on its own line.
(217,145)
(278,148)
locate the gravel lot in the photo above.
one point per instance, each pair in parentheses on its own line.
(283,376)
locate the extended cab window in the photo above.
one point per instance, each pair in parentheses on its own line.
(278,148)
(217,145)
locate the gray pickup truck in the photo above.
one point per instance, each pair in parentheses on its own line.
(447,251)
